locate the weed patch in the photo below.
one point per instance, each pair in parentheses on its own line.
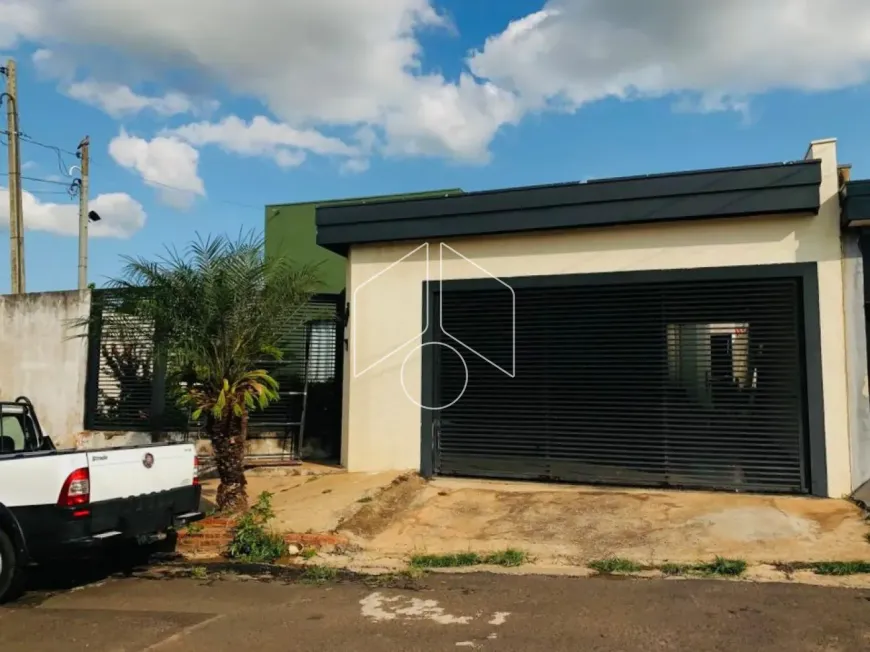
(319,574)
(722,566)
(508,558)
(611,565)
(674,570)
(252,540)
(194,528)
(308,553)
(841,567)
(199,572)
(452,560)
(719,566)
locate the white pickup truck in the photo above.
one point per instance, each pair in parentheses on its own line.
(55,504)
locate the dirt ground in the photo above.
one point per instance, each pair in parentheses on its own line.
(389,515)
(310,503)
(575,524)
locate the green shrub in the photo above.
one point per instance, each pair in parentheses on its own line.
(252,540)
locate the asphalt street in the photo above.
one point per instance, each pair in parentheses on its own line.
(441,612)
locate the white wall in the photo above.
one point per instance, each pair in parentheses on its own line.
(41,358)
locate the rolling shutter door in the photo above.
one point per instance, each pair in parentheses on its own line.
(684,384)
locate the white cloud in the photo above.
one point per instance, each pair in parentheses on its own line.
(53,66)
(331,63)
(119,100)
(355,166)
(262,137)
(166,163)
(121,215)
(19,20)
(327,64)
(578,51)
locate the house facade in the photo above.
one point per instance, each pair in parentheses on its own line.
(696,330)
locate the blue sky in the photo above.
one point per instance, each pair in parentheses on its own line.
(551,92)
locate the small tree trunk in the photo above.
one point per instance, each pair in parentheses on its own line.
(228,442)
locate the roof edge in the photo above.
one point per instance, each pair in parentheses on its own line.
(422,194)
(768,189)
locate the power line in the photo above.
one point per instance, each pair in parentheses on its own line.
(66,193)
(215,199)
(65,170)
(66,184)
(167,186)
(52,181)
(58,152)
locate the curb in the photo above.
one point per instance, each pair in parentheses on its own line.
(215,533)
(755,574)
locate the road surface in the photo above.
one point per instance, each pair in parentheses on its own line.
(494,613)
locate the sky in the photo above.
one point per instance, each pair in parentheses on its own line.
(201,112)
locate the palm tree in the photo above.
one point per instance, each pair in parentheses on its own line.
(215,311)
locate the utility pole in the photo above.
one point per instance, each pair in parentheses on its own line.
(16,217)
(83,213)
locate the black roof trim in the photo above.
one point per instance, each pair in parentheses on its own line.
(856,203)
(782,188)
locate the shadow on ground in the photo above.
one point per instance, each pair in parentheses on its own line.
(48,579)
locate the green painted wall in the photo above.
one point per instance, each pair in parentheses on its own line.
(291,231)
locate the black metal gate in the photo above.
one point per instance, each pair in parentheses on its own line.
(679,383)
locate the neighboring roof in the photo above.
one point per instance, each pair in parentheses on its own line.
(781,188)
(856,203)
(363,200)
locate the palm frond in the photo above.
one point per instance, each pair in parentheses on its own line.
(214,308)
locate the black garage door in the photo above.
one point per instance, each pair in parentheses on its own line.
(678,383)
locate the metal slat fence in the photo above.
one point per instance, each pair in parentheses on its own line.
(127,388)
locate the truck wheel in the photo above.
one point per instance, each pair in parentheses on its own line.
(11,572)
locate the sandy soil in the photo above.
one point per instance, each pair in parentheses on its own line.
(570,524)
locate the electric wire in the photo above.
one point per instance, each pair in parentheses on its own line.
(65,170)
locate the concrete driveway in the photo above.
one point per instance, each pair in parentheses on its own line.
(474,612)
(570,524)
(312,503)
(389,515)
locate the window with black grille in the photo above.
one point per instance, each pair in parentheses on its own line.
(685,384)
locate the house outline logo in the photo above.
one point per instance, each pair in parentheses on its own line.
(452,346)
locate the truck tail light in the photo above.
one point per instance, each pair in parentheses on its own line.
(76,491)
(195,470)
